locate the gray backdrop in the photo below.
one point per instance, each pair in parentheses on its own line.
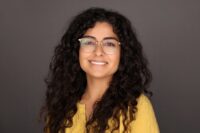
(168,29)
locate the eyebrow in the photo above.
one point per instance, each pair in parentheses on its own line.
(103,38)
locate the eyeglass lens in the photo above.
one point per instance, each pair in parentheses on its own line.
(109,46)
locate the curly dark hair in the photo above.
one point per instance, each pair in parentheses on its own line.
(66,81)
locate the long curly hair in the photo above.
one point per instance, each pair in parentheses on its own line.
(66,81)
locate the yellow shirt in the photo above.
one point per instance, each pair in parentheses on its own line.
(145,121)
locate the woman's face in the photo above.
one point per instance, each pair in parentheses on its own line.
(97,63)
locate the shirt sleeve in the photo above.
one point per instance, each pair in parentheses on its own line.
(145,120)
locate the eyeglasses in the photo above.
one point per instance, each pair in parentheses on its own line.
(109,45)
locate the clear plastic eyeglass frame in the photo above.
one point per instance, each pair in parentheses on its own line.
(108,45)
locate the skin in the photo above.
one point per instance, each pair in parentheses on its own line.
(98,76)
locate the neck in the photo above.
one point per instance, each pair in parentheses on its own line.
(95,88)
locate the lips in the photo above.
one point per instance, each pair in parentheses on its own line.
(96,62)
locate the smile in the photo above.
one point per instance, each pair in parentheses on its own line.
(98,62)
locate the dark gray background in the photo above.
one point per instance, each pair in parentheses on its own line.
(168,29)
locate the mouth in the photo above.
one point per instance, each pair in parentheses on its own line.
(95,62)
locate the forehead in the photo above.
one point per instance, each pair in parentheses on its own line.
(101,30)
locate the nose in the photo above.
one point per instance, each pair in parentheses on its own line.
(98,50)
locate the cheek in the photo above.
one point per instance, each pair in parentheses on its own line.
(82,59)
(115,61)
(118,57)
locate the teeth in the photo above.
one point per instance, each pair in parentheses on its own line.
(98,62)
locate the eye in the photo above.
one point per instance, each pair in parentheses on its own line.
(109,43)
(87,41)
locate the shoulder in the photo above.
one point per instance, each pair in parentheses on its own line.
(143,101)
(145,110)
(145,119)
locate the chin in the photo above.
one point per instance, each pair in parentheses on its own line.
(99,75)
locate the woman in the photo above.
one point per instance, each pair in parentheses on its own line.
(98,78)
